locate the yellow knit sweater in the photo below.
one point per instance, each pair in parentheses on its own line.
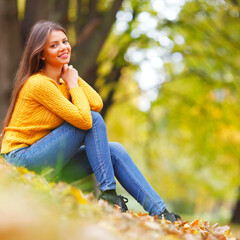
(43,105)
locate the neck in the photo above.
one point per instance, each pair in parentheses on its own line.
(53,72)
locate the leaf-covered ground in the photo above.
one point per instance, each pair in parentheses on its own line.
(32,208)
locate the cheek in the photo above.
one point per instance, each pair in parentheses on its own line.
(53,53)
(69,48)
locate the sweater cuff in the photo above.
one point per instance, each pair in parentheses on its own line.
(74,90)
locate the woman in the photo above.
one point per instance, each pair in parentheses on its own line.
(53,112)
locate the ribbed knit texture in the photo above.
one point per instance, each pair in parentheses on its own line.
(43,105)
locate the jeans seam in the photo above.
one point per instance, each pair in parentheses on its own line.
(120,162)
(98,152)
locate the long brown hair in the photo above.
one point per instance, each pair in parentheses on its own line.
(31,62)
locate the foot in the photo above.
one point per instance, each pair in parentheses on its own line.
(111,197)
(169,216)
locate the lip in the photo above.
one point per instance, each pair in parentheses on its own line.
(64,55)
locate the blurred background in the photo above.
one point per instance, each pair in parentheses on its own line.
(168,72)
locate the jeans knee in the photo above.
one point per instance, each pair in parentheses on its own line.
(118,153)
(116,148)
(97,118)
(69,127)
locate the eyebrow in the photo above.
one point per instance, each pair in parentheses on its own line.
(56,41)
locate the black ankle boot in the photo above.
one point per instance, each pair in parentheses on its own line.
(169,216)
(114,199)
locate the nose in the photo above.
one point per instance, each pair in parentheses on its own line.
(62,47)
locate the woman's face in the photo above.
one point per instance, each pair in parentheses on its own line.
(57,50)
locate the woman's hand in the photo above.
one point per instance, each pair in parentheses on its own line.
(70,76)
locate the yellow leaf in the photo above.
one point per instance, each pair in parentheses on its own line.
(78,195)
(24,170)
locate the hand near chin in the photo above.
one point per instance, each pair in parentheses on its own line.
(70,76)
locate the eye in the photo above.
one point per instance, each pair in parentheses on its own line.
(53,45)
(65,41)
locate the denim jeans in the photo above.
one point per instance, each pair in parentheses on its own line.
(63,150)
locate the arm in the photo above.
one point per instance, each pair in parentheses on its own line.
(77,113)
(92,96)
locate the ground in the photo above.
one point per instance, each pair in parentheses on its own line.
(33,208)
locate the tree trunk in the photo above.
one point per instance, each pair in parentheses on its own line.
(113,77)
(236,210)
(91,39)
(35,10)
(10,49)
(59,12)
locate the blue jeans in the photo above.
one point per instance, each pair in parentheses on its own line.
(63,150)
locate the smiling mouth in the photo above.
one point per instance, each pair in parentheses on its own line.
(63,55)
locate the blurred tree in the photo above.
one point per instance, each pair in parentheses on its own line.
(202,101)
(10,50)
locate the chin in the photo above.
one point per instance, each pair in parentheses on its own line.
(65,62)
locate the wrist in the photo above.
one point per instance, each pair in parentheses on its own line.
(72,85)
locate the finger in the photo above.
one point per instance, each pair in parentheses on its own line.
(65,66)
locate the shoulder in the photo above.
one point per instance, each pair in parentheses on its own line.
(39,80)
(39,85)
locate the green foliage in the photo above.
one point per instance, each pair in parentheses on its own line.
(187,144)
(206,92)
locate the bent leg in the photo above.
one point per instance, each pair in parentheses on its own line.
(54,150)
(78,167)
(93,157)
(57,148)
(130,177)
(98,152)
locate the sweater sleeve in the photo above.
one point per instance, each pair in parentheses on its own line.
(77,112)
(94,99)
